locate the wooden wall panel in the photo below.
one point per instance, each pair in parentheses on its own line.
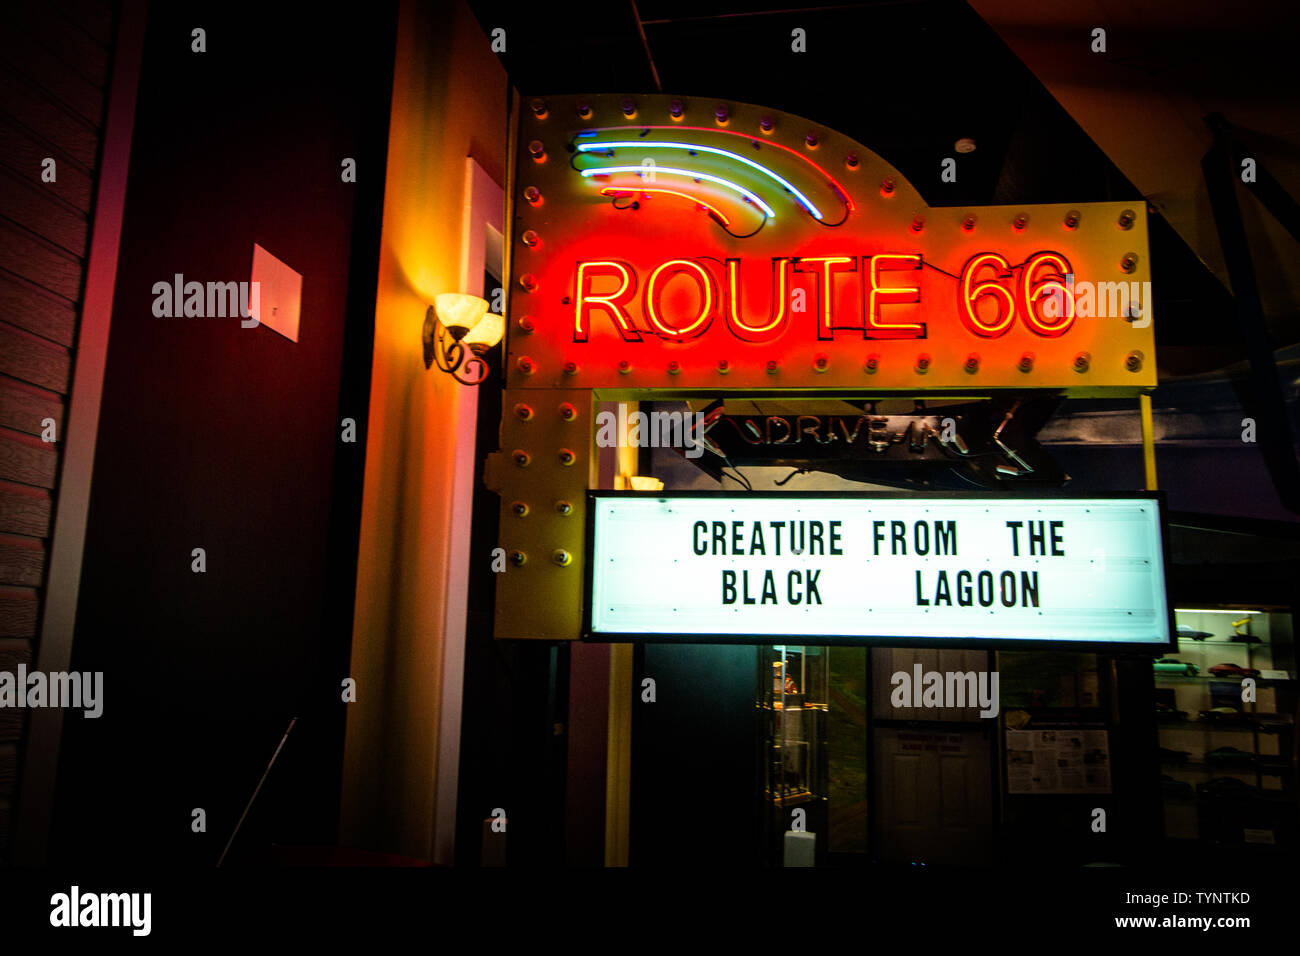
(8,769)
(29,203)
(11,719)
(54,62)
(27,460)
(41,262)
(24,510)
(22,561)
(34,359)
(40,112)
(41,23)
(18,612)
(39,312)
(13,653)
(22,153)
(72,90)
(24,407)
(93,16)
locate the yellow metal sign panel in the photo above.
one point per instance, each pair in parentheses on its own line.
(542,474)
(665,245)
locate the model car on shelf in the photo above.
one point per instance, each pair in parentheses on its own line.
(1274,723)
(1240,637)
(1173,756)
(1231,757)
(1233,670)
(1273,763)
(1224,715)
(1166,712)
(1175,788)
(1171,666)
(1193,633)
(1225,787)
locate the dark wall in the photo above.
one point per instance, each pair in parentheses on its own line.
(513,739)
(228,439)
(695,757)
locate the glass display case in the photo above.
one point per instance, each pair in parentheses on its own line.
(793,701)
(1225,707)
(791,705)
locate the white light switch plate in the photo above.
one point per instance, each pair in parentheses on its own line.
(278,299)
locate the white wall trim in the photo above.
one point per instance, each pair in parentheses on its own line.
(482,223)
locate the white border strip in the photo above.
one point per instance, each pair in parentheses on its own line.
(482,222)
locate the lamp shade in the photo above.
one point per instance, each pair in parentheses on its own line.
(488,332)
(459,312)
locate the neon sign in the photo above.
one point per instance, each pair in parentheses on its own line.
(870,321)
(667,247)
(693,148)
(764,252)
(693,175)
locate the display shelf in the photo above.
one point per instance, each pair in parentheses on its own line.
(1256,726)
(1223,770)
(793,701)
(1204,678)
(1249,726)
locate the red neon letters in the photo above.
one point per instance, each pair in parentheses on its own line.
(610,303)
(777,320)
(990,297)
(1034,285)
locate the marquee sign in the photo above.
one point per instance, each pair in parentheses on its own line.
(879,568)
(669,247)
(677,245)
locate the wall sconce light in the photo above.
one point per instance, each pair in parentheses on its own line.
(458,331)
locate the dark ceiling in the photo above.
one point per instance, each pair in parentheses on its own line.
(906,78)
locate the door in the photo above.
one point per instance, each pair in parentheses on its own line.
(933,781)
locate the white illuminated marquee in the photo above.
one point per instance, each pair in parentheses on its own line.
(888,568)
